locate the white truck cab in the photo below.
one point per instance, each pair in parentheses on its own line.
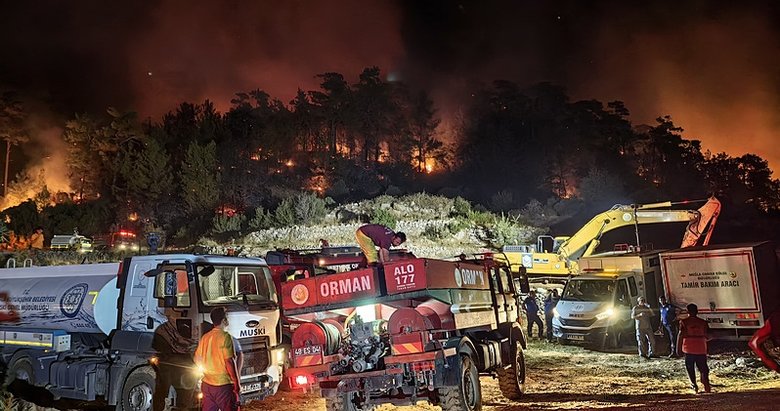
(595,306)
(99,334)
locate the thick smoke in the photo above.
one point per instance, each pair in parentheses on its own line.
(711,65)
(194,51)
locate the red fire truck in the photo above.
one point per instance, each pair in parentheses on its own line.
(413,329)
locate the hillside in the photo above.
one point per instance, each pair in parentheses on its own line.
(435,226)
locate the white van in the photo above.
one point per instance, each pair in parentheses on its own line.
(595,307)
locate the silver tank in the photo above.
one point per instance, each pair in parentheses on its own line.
(72,298)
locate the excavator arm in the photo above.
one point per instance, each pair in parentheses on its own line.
(587,239)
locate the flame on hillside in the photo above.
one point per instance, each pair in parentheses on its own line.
(46,173)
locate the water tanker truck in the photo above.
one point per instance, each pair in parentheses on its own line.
(409,330)
(87,333)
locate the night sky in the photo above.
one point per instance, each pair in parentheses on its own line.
(714,66)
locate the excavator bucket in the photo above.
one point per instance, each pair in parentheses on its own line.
(703,225)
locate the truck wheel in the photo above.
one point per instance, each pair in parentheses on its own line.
(137,391)
(22,370)
(343,402)
(467,396)
(511,380)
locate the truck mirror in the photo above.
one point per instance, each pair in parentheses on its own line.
(153,272)
(521,280)
(169,289)
(207,271)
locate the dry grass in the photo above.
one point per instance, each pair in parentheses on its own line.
(571,377)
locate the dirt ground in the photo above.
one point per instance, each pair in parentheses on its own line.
(568,377)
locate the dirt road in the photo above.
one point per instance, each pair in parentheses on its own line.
(565,377)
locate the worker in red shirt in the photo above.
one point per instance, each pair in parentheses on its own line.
(371,236)
(692,341)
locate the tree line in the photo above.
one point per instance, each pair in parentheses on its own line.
(197,170)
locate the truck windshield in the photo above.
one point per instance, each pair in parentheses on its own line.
(589,290)
(237,284)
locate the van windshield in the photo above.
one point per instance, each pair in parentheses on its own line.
(589,290)
(230,284)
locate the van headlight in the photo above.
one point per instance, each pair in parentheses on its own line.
(555,312)
(608,313)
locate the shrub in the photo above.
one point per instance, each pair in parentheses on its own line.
(460,207)
(309,209)
(434,232)
(261,220)
(384,217)
(428,205)
(224,224)
(455,226)
(501,231)
(284,216)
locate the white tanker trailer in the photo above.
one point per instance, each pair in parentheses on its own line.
(89,332)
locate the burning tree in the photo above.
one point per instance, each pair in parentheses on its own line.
(12,128)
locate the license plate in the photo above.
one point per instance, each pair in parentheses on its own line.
(255,386)
(575,337)
(309,350)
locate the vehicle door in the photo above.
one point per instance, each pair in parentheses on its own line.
(176,298)
(623,303)
(509,291)
(499,299)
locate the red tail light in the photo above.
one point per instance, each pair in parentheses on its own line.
(301,381)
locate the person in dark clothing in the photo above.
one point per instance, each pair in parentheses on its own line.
(532,313)
(668,325)
(371,236)
(549,305)
(692,341)
(174,358)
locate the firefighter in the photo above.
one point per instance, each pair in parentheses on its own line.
(371,236)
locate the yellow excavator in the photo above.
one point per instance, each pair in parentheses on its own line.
(557,256)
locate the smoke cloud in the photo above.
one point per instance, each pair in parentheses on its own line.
(711,65)
(206,50)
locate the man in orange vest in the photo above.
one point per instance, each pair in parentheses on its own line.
(692,341)
(217,356)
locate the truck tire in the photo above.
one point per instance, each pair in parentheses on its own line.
(467,396)
(22,370)
(343,402)
(137,391)
(511,380)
